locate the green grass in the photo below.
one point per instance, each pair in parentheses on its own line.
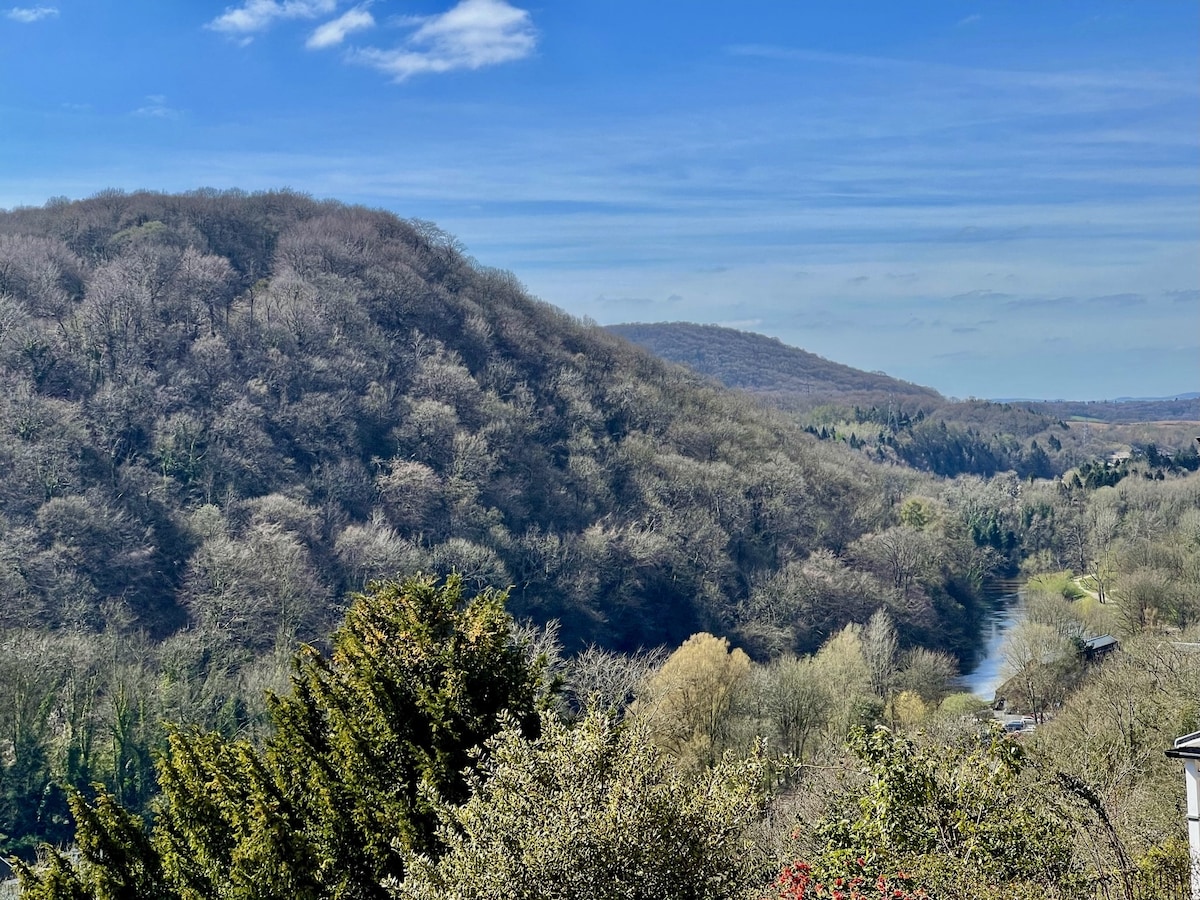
(1061,583)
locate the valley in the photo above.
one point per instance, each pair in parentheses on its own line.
(246,437)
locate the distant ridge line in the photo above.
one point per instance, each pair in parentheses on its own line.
(1169,398)
(763,364)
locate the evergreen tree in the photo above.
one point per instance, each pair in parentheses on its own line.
(368,742)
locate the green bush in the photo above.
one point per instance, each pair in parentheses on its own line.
(597,811)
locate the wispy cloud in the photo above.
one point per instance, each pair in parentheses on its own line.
(981,295)
(976,233)
(258,15)
(640,302)
(156,107)
(1187,296)
(957,356)
(1039,303)
(472,35)
(30,14)
(1119,300)
(333,33)
(968,20)
(972,76)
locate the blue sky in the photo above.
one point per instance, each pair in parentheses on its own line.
(995,199)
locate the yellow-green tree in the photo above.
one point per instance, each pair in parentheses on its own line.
(840,665)
(687,701)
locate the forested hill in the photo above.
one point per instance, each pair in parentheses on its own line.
(225,411)
(895,421)
(766,365)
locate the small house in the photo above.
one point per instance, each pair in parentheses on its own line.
(1098,647)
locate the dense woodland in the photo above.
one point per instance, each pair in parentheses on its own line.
(205,390)
(225,414)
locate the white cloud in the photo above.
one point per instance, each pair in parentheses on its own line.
(332,33)
(156,108)
(474,34)
(29,14)
(258,15)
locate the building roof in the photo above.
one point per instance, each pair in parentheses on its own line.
(1186,747)
(1101,643)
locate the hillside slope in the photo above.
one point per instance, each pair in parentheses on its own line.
(766,365)
(225,411)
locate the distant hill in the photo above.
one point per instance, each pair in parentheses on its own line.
(1124,411)
(895,420)
(765,365)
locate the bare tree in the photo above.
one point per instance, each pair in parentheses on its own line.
(1035,659)
(879,647)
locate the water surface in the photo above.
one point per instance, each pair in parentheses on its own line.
(1007,608)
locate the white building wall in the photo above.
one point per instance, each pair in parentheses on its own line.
(1191,776)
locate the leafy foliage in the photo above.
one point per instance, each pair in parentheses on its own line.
(596,810)
(688,699)
(948,817)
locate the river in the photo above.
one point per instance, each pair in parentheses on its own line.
(1006,609)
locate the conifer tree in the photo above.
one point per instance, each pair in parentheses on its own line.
(369,740)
